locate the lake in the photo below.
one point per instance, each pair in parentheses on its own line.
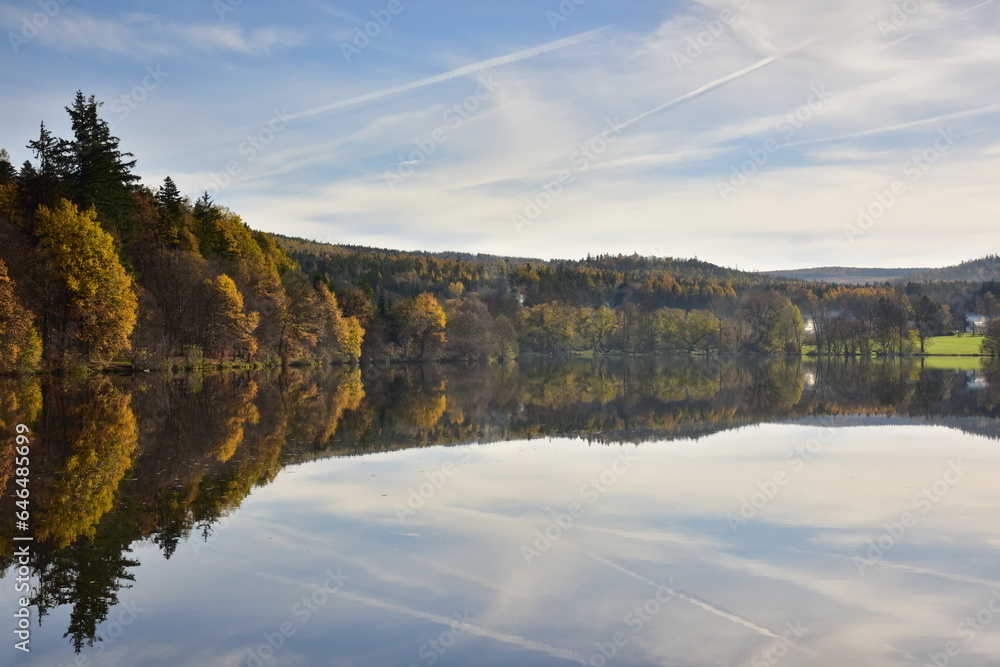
(596,512)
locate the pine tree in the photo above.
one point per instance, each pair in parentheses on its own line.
(101,173)
(46,184)
(8,174)
(171,214)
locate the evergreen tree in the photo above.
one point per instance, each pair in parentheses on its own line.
(171,215)
(101,173)
(45,185)
(8,174)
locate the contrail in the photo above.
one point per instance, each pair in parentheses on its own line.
(461,71)
(698,92)
(972,9)
(739,620)
(478,630)
(901,126)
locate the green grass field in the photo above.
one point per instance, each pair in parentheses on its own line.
(953,363)
(953,345)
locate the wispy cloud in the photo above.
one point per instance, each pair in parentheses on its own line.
(144,35)
(453,74)
(683,125)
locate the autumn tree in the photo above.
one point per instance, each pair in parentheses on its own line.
(700,331)
(991,339)
(469,329)
(102,436)
(340,337)
(504,341)
(930,318)
(670,328)
(597,327)
(222,233)
(227,329)
(549,327)
(93,309)
(422,323)
(891,325)
(769,323)
(20,344)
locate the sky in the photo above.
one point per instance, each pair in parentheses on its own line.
(761,134)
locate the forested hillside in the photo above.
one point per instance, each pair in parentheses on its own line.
(985,269)
(98,269)
(846,275)
(634,304)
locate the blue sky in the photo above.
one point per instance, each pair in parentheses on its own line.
(760,133)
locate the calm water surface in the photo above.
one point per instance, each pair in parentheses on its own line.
(601,513)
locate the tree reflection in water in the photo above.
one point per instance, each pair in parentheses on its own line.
(119,460)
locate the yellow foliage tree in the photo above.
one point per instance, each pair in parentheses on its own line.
(97,309)
(20,344)
(422,322)
(227,327)
(103,438)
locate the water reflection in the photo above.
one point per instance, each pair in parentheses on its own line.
(128,465)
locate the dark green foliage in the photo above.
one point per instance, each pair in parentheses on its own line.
(100,172)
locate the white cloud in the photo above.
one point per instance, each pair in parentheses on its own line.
(143,35)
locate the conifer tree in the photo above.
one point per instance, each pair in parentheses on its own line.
(101,174)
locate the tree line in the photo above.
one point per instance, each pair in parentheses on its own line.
(96,268)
